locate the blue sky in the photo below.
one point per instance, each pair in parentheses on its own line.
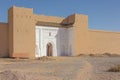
(103,14)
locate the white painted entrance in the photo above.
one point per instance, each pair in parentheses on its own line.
(38,51)
(46,41)
(59,39)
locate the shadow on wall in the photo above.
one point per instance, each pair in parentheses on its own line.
(62,42)
(4,49)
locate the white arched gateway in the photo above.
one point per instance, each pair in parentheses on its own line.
(50,41)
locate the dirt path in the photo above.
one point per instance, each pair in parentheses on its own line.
(85,73)
(60,68)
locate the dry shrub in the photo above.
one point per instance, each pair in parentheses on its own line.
(81,55)
(92,55)
(100,55)
(107,54)
(45,58)
(95,55)
(114,69)
(115,55)
(111,54)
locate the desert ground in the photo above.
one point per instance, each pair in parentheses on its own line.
(59,68)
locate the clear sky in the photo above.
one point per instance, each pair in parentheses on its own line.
(103,14)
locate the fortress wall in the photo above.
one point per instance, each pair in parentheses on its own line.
(4,40)
(104,42)
(80,34)
(22,24)
(51,19)
(22,32)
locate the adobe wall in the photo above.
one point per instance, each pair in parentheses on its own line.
(104,42)
(22,24)
(43,18)
(4,40)
(80,34)
(21,32)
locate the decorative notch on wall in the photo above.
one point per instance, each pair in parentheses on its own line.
(49,33)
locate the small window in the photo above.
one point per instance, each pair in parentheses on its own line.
(49,33)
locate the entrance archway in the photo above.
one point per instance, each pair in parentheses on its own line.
(49,49)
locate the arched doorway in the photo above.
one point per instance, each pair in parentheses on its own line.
(49,49)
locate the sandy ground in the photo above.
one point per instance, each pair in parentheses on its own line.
(100,65)
(59,68)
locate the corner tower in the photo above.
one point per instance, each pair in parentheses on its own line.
(21,32)
(80,34)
